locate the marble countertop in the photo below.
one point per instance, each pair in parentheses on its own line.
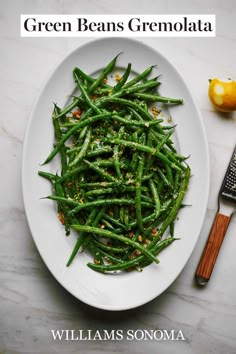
(31,301)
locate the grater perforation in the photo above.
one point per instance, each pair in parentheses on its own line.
(228,188)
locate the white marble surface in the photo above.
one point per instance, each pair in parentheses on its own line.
(31,301)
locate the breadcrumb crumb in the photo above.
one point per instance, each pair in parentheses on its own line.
(61,218)
(117,77)
(140,239)
(154,111)
(77,114)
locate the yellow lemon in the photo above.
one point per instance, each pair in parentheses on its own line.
(223,95)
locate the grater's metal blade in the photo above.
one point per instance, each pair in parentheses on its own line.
(228,188)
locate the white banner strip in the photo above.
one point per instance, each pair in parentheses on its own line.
(118,25)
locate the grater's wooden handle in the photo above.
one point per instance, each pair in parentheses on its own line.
(212,248)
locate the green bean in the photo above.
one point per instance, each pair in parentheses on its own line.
(126,217)
(81,238)
(157,221)
(169,175)
(74,150)
(157,98)
(72,130)
(63,200)
(99,216)
(89,78)
(174,210)
(94,250)
(115,267)
(122,81)
(121,177)
(116,157)
(99,151)
(51,177)
(105,223)
(97,184)
(103,75)
(159,247)
(164,178)
(172,157)
(115,188)
(104,163)
(58,135)
(102,173)
(85,95)
(68,109)
(99,191)
(135,123)
(83,133)
(153,244)
(177,181)
(158,148)
(138,183)
(164,140)
(135,114)
(131,122)
(70,174)
(99,202)
(83,150)
(155,197)
(110,257)
(159,184)
(109,248)
(82,74)
(112,235)
(134,161)
(115,222)
(139,77)
(126,102)
(136,88)
(145,148)
(60,193)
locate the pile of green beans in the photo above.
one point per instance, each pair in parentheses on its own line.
(121,182)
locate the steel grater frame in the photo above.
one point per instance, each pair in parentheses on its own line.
(228,188)
(220,225)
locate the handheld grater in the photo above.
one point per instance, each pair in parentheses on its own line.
(227,197)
